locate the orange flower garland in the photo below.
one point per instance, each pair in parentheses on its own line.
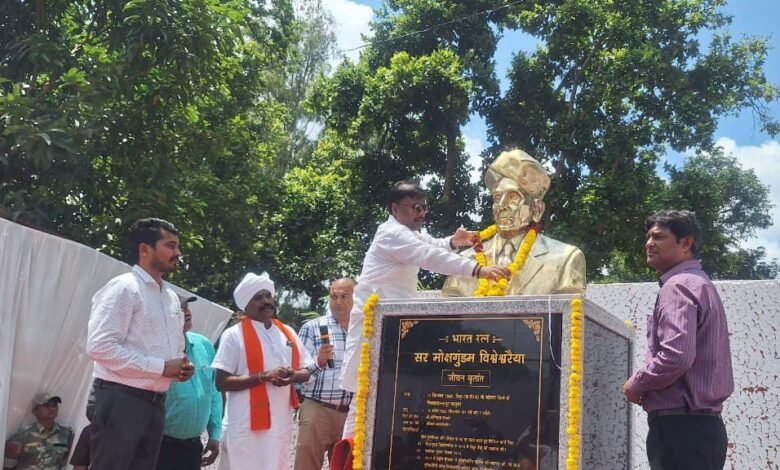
(498,288)
(575,386)
(361,398)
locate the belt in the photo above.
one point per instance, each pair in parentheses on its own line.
(680,412)
(339,408)
(191,440)
(157,398)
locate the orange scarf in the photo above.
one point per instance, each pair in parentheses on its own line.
(259,407)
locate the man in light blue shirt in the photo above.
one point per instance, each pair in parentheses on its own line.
(192,407)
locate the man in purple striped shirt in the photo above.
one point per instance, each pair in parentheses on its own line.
(687,372)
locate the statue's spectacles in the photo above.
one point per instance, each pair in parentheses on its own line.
(416,207)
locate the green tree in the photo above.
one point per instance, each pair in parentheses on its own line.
(403,105)
(731,204)
(113,111)
(610,88)
(310,52)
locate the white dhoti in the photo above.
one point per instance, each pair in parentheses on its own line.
(250,450)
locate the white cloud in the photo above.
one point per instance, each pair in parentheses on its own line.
(764,159)
(351,22)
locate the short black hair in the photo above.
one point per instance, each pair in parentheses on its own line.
(681,223)
(147,230)
(344,279)
(403,189)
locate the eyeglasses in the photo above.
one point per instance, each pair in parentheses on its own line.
(416,207)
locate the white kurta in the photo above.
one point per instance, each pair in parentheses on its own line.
(390,268)
(247,449)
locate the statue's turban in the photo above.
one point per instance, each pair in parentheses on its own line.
(522,168)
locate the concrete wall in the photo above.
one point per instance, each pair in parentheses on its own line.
(752,414)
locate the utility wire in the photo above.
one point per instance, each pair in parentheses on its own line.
(436,26)
(341,52)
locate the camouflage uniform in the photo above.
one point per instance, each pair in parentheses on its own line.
(34,448)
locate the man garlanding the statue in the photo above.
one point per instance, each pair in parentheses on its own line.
(398,251)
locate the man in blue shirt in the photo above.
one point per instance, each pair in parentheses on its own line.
(192,407)
(325,405)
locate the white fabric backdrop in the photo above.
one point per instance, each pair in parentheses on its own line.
(46,288)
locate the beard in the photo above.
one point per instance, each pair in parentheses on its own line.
(166,266)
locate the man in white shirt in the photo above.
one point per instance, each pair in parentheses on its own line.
(135,339)
(257,361)
(398,251)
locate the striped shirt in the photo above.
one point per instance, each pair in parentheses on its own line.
(326,383)
(688,363)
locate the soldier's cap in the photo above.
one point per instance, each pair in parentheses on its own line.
(187,299)
(44,398)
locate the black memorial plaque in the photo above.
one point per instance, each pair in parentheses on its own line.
(468,392)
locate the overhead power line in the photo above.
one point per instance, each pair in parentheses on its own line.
(341,52)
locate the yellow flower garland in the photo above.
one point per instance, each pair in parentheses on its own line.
(575,386)
(497,289)
(361,398)
(488,233)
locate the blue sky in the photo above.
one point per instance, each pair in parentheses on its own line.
(738,135)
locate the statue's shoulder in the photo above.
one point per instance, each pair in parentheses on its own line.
(557,245)
(559,250)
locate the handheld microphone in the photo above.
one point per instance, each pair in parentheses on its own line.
(325,338)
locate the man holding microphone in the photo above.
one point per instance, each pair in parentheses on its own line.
(325,405)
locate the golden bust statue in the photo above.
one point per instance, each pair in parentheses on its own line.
(518,184)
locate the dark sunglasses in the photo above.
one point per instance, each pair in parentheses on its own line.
(417,207)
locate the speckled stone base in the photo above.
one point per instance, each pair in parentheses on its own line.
(607,341)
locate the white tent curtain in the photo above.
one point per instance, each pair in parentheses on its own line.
(46,288)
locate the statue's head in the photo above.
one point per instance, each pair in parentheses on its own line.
(518,184)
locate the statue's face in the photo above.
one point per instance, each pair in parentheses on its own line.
(513,210)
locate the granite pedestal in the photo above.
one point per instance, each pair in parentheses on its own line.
(478,383)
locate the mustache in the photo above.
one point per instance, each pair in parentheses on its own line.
(271,305)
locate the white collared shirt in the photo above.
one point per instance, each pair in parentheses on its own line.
(134,327)
(390,268)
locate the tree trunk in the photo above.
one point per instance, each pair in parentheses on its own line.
(448,217)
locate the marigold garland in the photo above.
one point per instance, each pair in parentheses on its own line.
(575,386)
(488,233)
(498,288)
(361,398)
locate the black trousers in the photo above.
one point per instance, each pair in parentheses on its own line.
(126,431)
(176,454)
(687,442)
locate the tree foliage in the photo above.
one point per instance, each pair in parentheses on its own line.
(611,87)
(113,111)
(206,111)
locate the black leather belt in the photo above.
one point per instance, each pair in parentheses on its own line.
(157,398)
(192,440)
(339,408)
(680,412)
